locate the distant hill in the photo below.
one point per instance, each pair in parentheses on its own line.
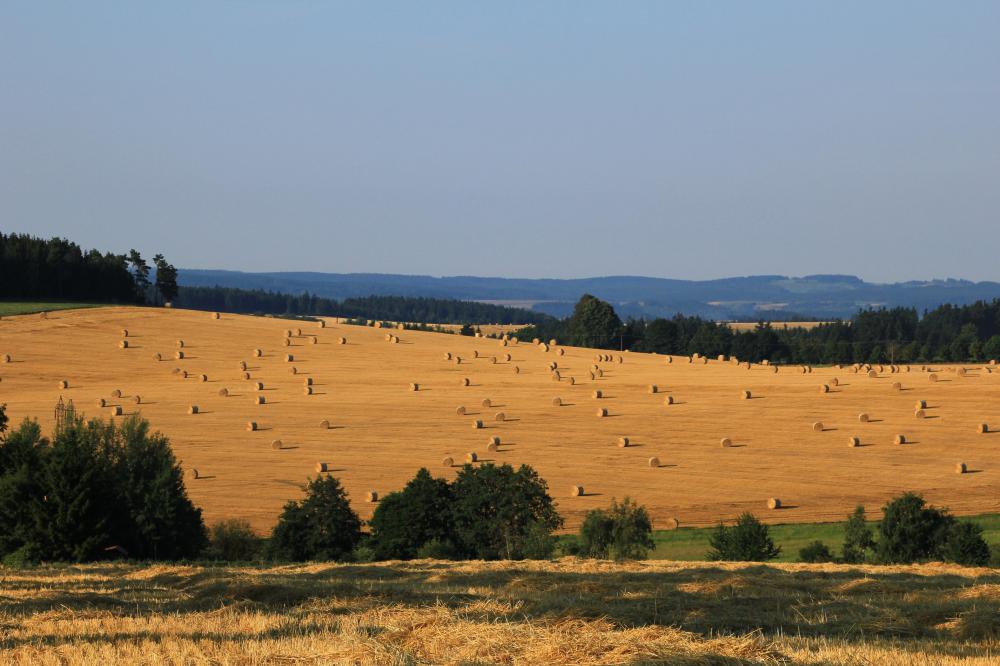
(763,296)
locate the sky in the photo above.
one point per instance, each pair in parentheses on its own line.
(688,140)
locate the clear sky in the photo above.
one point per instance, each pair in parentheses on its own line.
(531,139)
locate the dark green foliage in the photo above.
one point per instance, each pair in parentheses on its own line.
(96,486)
(233,540)
(321,527)
(594,323)
(406,520)
(467,330)
(622,532)
(815,552)
(910,531)
(748,540)
(858,537)
(166,279)
(3,417)
(498,511)
(436,549)
(964,544)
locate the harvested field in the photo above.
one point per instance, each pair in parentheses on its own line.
(360,388)
(566,612)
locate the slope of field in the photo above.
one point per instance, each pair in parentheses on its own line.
(563,612)
(381,431)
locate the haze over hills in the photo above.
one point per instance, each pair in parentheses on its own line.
(762,296)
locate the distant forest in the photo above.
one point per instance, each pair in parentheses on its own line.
(948,333)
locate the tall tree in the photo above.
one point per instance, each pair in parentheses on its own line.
(166,279)
(140,273)
(594,323)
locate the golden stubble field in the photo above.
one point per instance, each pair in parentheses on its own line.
(381,431)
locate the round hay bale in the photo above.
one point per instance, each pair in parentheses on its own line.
(982,428)
(298,332)
(276,444)
(773,503)
(576,491)
(623,442)
(669,360)
(286,343)
(6,358)
(920,414)
(834,382)
(556,376)
(414,386)
(184,374)
(313,340)
(460,410)
(721,358)
(572,381)
(471,457)
(477,424)
(289,358)
(157,356)
(137,399)
(561,352)
(447,356)
(458,360)
(448,461)
(101,402)
(175,371)
(259,400)
(123,344)
(224,392)
(117,393)
(243,365)
(900,439)
(602,412)
(544,347)
(323,467)
(897,386)
(653,388)
(775,370)
(492,447)
(535,341)
(475,354)
(725,442)
(246,375)
(324,425)
(124,332)
(552,366)
(203,378)
(921,404)
(341,341)
(486,403)
(932,377)
(669,400)
(499,416)
(863,417)
(592,375)
(553,342)
(507,357)
(600,373)
(63,384)
(557,402)
(824,388)
(745,395)
(307,390)
(598,394)
(960,372)
(288,333)
(194,473)
(257,353)
(961,468)
(503,342)
(854,442)
(493,360)
(116,410)
(179,355)
(872,374)
(494,440)
(817,426)
(513,340)
(180,344)
(215,315)
(307,381)
(371,496)
(466,381)
(193,409)
(672,523)
(653,462)
(517,370)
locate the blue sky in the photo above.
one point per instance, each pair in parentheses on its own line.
(552,139)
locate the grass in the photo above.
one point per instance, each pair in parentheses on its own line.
(691,543)
(11,308)
(563,612)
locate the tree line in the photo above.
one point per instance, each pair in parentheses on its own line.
(897,335)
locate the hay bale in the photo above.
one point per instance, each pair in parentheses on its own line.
(6,358)
(258,386)
(982,428)
(773,503)
(513,340)
(117,393)
(341,341)
(919,413)
(544,347)
(289,358)
(556,376)
(834,382)
(175,371)
(872,374)
(179,355)
(116,410)
(257,353)
(471,457)
(460,410)
(598,394)
(307,390)
(863,417)
(307,381)
(323,467)
(494,440)
(561,352)
(193,409)
(669,360)
(477,424)
(63,384)
(517,370)
(123,344)
(243,365)
(215,315)
(824,388)
(492,447)
(288,333)
(921,404)
(286,343)
(725,442)
(669,400)
(194,473)
(535,341)
(157,356)
(414,386)
(184,374)
(600,373)
(124,332)
(623,442)
(137,399)
(897,386)
(900,439)
(101,402)
(499,416)
(553,342)
(854,442)
(203,378)
(259,400)
(180,344)
(745,395)
(557,402)
(475,354)
(324,425)
(487,403)
(224,392)
(371,496)
(448,461)
(507,357)
(653,462)
(246,375)
(932,377)
(493,360)
(313,340)
(592,375)
(572,381)
(653,388)
(672,523)
(817,426)
(277,445)
(458,360)
(576,491)
(602,412)
(960,372)
(552,365)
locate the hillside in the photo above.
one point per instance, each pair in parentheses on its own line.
(562,612)
(764,296)
(380,431)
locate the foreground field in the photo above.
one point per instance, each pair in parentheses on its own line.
(381,431)
(563,612)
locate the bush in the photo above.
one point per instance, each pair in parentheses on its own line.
(500,513)
(436,549)
(748,540)
(320,527)
(910,531)
(815,552)
(965,545)
(858,537)
(234,541)
(404,521)
(623,532)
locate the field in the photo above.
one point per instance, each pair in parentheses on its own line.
(381,431)
(9,309)
(562,612)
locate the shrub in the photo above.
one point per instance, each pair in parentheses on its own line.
(234,541)
(815,552)
(3,417)
(965,545)
(497,510)
(858,537)
(404,521)
(322,526)
(910,531)
(748,540)
(623,532)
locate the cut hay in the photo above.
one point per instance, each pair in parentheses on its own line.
(460,410)
(961,468)
(63,384)
(597,395)
(289,358)
(324,425)
(307,390)
(471,457)
(259,400)
(602,412)
(494,440)
(576,491)
(258,386)
(246,375)
(203,378)
(157,356)
(465,381)
(745,395)
(773,503)
(817,426)
(180,344)
(477,424)
(932,377)
(725,442)
(982,428)
(834,382)
(920,414)
(500,416)
(257,353)
(323,467)
(897,386)
(669,400)
(179,355)
(899,439)
(921,404)
(824,388)
(653,462)
(116,410)
(137,399)
(307,381)
(486,403)
(854,442)
(414,386)
(277,445)
(101,402)
(623,442)
(448,462)
(557,402)
(123,344)
(243,365)
(653,388)
(193,409)
(117,393)
(341,341)
(863,417)
(223,392)
(872,374)
(371,496)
